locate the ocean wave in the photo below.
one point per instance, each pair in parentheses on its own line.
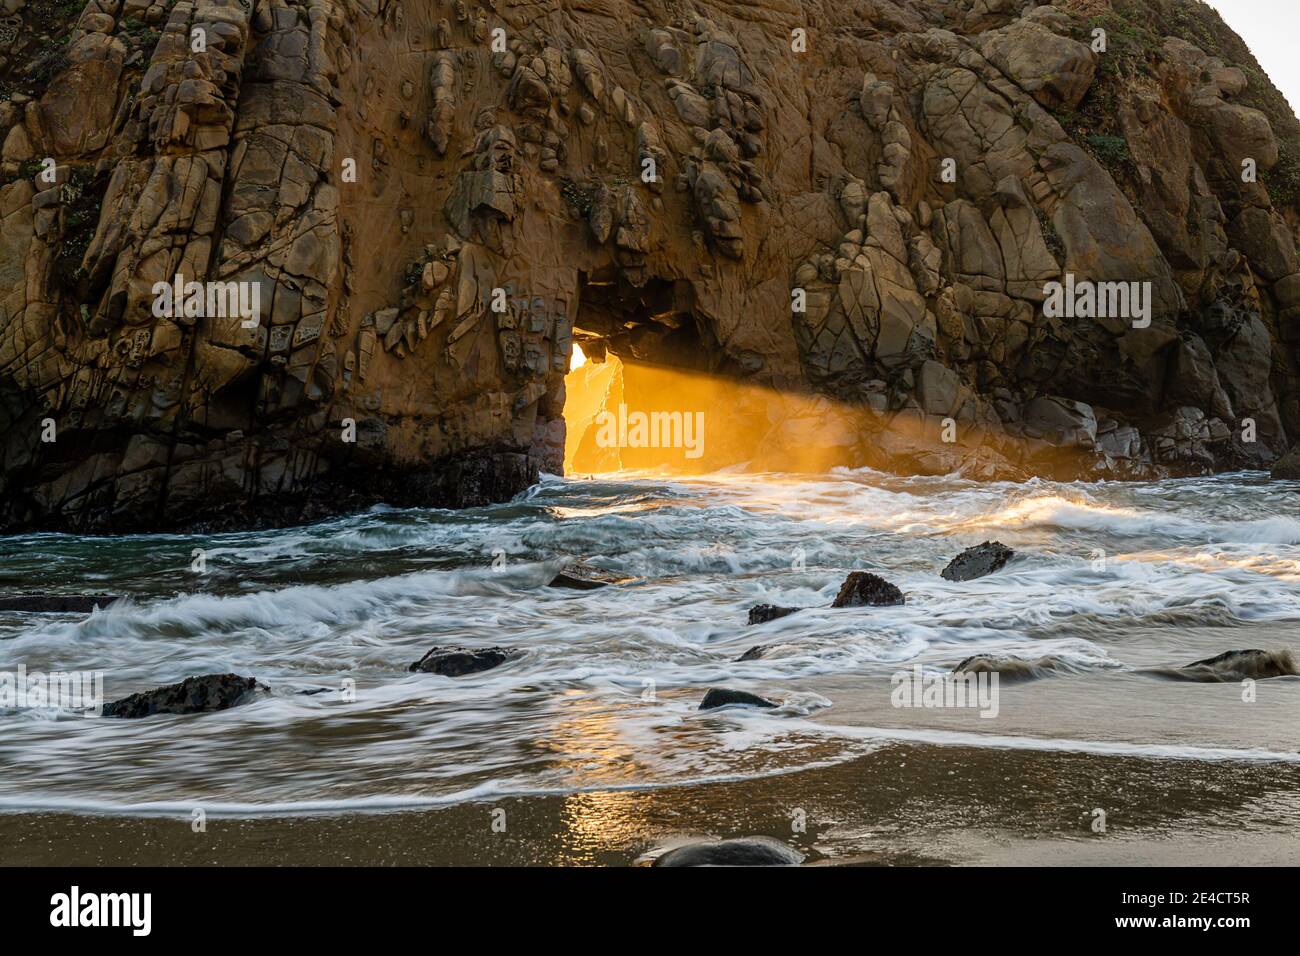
(1108,578)
(1054,511)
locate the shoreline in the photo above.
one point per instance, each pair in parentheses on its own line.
(904,805)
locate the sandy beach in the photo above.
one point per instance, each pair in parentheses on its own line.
(903,805)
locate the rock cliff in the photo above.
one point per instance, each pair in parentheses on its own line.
(430,202)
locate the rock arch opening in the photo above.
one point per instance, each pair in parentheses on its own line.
(633,395)
(650,389)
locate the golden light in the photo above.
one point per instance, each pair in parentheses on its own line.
(626,415)
(630,416)
(578,360)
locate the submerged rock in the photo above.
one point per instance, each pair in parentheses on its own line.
(459,661)
(55,603)
(1253,664)
(978,561)
(194,695)
(862,588)
(763,651)
(762,613)
(744,851)
(725,697)
(1011,667)
(581,576)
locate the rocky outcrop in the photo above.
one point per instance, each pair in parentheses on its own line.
(864,589)
(977,561)
(459,661)
(194,695)
(426,205)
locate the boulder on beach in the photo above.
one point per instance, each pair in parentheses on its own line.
(1231,666)
(862,588)
(725,697)
(56,603)
(194,695)
(762,613)
(743,851)
(580,576)
(978,561)
(459,661)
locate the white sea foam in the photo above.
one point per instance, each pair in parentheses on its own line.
(1108,578)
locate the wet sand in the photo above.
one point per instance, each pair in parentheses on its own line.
(904,804)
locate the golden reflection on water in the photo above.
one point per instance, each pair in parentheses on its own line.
(1285,569)
(597,820)
(586,740)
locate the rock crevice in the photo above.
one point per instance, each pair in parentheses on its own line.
(429,203)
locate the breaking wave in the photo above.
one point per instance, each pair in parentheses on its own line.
(1113,586)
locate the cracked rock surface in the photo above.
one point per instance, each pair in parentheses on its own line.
(381,170)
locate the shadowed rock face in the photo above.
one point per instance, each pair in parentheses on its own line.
(1288,466)
(377,172)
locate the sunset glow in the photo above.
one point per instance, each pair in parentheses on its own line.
(578,360)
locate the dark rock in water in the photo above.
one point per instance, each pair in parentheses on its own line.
(745,851)
(194,695)
(1254,664)
(862,588)
(1008,668)
(581,576)
(55,603)
(458,661)
(1288,466)
(978,561)
(763,651)
(762,613)
(724,696)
